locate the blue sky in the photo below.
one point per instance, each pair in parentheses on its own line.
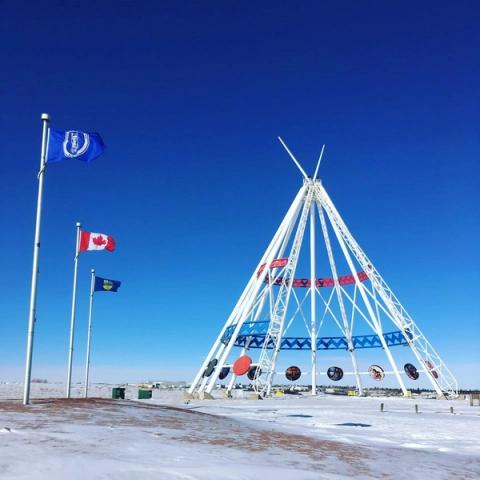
(189,98)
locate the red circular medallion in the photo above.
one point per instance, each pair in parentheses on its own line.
(242,365)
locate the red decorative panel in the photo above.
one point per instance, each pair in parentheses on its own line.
(276,263)
(279,262)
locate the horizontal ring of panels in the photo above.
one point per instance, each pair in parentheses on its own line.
(305,282)
(327,282)
(252,335)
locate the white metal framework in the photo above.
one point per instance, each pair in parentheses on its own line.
(361,299)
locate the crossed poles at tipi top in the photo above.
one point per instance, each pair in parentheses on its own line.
(271,292)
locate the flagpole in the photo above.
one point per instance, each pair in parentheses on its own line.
(72,316)
(89,336)
(36,251)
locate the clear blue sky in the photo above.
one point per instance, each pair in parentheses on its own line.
(189,98)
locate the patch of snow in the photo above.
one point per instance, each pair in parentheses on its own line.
(291,437)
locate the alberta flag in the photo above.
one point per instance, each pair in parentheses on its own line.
(106,285)
(67,144)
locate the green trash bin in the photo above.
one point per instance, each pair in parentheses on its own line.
(144,394)
(118,392)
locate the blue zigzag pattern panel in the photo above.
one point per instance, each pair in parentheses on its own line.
(252,335)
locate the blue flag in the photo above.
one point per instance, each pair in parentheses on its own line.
(66,144)
(106,285)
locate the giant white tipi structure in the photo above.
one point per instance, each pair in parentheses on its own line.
(282,313)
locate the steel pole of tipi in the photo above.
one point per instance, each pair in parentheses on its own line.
(444,382)
(264,295)
(248,302)
(347,330)
(361,289)
(313,282)
(72,314)
(245,294)
(36,253)
(313,293)
(89,334)
(245,348)
(234,313)
(268,359)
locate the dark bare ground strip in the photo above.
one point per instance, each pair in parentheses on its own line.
(183,425)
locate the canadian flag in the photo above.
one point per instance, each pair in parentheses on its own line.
(96,241)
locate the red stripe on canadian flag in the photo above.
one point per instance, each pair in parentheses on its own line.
(96,241)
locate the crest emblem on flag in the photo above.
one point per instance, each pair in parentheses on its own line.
(75,143)
(106,285)
(68,144)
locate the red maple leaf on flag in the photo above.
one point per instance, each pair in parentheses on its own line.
(99,240)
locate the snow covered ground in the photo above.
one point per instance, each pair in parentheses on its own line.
(290,437)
